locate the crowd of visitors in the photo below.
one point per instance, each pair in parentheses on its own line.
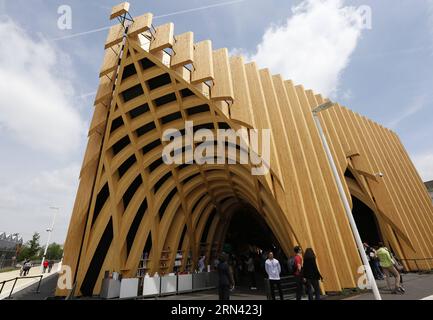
(303,267)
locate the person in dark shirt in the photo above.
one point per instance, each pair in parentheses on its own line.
(311,274)
(297,272)
(225,278)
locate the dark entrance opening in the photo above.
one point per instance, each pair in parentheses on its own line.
(366,222)
(248,236)
(247,229)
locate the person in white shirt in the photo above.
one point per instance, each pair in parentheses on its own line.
(273,269)
(201,265)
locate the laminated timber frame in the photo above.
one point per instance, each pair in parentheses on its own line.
(128,198)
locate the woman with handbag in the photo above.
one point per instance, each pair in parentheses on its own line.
(311,274)
(387,264)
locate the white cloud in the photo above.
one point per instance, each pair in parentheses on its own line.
(424,165)
(313,46)
(25,202)
(347,95)
(36,104)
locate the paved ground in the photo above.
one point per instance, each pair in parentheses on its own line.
(22,283)
(46,290)
(237,294)
(418,286)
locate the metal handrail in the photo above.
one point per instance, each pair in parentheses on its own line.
(15,282)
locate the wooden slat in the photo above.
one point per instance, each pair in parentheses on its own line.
(223,86)
(382,191)
(414,203)
(115,36)
(104,92)
(332,220)
(322,179)
(241,107)
(203,62)
(292,147)
(280,120)
(163,37)
(417,187)
(141,24)
(110,60)
(407,210)
(99,119)
(119,10)
(183,49)
(261,115)
(315,200)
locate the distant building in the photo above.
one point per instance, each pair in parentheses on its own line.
(429,186)
(9,246)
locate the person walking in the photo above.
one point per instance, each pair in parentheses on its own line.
(311,274)
(225,278)
(373,261)
(398,266)
(201,264)
(50,265)
(45,265)
(273,269)
(251,272)
(22,270)
(297,272)
(387,264)
(26,268)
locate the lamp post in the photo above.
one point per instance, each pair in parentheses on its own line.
(343,197)
(50,231)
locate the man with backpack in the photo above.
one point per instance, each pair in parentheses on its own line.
(26,267)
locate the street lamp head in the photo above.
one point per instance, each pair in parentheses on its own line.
(323,107)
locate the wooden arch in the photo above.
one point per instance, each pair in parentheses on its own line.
(129,199)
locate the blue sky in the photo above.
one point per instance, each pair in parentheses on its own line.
(48,78)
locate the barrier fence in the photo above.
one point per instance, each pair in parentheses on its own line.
(2,284)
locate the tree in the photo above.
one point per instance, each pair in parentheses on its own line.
(31,249)
(34,246)
(54,251)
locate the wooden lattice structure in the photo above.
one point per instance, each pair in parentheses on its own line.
(128,199)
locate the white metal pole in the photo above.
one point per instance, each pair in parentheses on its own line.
(46,248)
(349,214)
(50,231)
